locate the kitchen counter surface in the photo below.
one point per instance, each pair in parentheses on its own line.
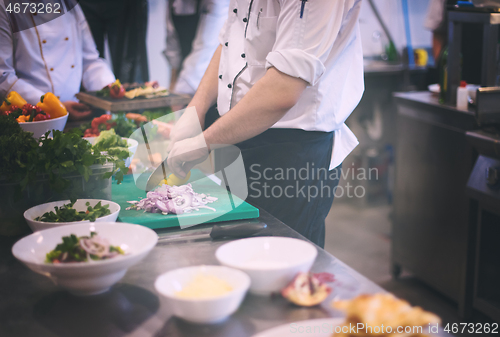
(379,67)
(429,98)
(424,105)
(31,305)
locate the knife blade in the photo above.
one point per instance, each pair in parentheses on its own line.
(157,176)
(159,173)
(217,232)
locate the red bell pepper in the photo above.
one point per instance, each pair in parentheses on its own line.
(116,90)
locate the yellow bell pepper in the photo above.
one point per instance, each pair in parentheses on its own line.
(22,119)
(50,104)
(12,99)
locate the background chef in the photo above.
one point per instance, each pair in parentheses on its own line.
(192,29)
(46,58)
(286,76)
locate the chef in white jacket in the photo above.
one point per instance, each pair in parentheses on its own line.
(57,56)
(286,76)
(201,21)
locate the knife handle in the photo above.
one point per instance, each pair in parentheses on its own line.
(236,231)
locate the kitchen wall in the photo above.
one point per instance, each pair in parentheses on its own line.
(372,35)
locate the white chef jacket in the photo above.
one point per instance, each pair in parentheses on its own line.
(323,47)
(57,56)
(213,14)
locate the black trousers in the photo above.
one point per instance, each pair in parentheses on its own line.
(124,23)
(287,175)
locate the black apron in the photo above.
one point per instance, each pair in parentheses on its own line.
(302,196)
(186,27)
(124,23)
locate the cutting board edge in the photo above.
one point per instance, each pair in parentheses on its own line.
(251,213)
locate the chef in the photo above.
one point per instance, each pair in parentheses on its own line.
(57,56)
(192,29)
(286,76)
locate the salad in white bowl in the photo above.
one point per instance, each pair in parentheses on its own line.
(83,263)
(110,143)
(66,212)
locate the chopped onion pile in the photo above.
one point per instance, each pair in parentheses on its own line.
(173,200)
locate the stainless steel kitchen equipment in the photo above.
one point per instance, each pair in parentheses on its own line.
(483,261)
(490,22)
(433,163)
(487,3)
(488,105)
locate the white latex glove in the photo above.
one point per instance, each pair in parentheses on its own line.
(186,153)
(187,126)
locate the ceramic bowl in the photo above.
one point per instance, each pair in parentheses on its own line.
(79,205)
(271,262)
(86,278)
(132,147)
(203,311)
(40,127)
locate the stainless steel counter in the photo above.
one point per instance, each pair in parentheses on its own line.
(30,305)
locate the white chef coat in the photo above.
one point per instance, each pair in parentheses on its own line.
(213,14)
(57,56)
(323,48)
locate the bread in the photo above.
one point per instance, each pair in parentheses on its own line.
(383,315)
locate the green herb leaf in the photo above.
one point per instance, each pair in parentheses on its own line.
(67,213)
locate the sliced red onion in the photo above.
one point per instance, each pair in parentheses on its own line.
(173,200)
(96,246)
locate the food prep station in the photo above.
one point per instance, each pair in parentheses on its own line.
(445,200)
(36,307)
(134,306)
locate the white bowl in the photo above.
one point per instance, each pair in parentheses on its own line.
(86,278)
(40,127)
(210,310)
(79,205)
(271,262)
(132,147)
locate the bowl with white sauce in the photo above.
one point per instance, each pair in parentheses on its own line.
(203,294)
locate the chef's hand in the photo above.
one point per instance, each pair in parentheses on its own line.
(187,126)
(185,154)
(77,110)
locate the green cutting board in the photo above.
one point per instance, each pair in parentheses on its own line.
(228,207)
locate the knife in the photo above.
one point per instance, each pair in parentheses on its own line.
(217,232)
(157,176)
(159,173)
